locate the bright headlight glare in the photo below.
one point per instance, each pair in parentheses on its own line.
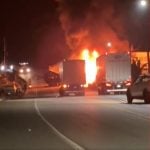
(2,68)
(65,86)
(21,70)
(28,70)
(11,67)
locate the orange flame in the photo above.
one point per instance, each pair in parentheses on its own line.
(90,65)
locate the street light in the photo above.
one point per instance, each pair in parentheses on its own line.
(143,3)
(109,44)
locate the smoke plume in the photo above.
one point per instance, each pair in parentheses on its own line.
(91,24)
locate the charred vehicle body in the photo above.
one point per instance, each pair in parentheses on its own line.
(12,85)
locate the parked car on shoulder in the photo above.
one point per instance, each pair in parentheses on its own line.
(140,89)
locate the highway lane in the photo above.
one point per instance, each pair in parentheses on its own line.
(22,129)
(101,122)
(90,122)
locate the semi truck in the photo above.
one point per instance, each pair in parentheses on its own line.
(114,73)
(72,76)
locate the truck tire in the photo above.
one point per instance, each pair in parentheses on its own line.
(61,92)
(146,95)
(3,95)
(99,92)
(102,92)
(82,94)
(129,97)
(19,94)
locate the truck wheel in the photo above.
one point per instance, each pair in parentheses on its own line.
(146,96)
(99,92)
(82,94)
(129,97)
(19,94)
(102,92)
(3,96)
(61,92)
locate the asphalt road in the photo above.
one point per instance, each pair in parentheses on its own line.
(81,123)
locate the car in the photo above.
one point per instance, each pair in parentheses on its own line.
(140,89)
(72,89)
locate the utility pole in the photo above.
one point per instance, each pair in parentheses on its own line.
(148,61)
(4,56)
(130,53)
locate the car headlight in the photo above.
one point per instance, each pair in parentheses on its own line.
(21,70)
(28,70)
(65,86)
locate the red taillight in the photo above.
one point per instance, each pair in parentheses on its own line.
(65,86)
(128,83)
(108,84)
(84,85)
(30,86)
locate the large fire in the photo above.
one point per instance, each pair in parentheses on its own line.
(90,65)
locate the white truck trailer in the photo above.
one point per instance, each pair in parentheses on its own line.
(114,73)
(73,79)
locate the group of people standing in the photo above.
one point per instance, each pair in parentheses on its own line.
(136,69)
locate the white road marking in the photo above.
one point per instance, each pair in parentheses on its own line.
(71,143)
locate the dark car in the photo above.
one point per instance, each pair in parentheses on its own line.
(72,89)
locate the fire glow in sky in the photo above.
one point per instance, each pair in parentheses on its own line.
(74,24)
(90,65)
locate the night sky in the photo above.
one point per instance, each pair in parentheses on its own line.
(43,32)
